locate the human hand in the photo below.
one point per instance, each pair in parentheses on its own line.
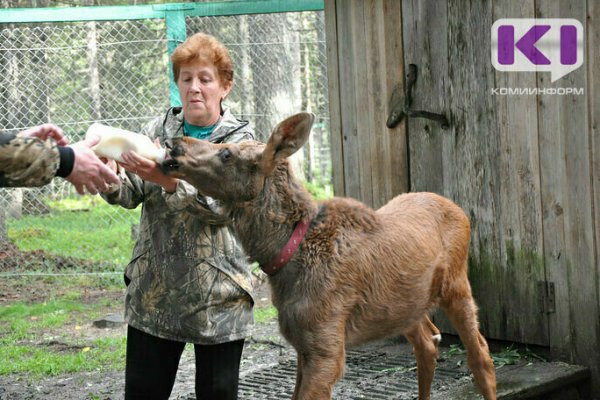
(45,131)
(112,164)
(94,138)
(89,172)
(148,170)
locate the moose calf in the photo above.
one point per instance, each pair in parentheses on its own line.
(341,273)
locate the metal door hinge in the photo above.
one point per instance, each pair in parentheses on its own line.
(546,296)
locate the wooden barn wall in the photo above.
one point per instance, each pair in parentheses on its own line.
(526,169)
(369,160)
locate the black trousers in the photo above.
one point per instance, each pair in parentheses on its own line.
(152,363)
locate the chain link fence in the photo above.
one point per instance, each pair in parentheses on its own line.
(116,72)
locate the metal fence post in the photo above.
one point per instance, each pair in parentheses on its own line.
(176,34)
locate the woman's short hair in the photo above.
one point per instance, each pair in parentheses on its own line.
(201,47)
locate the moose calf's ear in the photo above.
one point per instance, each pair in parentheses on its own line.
(288,136)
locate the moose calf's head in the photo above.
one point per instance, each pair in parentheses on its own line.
(235,172)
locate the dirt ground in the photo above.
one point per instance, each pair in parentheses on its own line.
(267,368)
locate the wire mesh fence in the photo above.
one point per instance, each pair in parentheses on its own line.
(116,72)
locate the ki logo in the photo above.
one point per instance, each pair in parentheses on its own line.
(549,44)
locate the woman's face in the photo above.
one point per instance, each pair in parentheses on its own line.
(201,92)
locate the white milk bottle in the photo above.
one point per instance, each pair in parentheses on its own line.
(115,141)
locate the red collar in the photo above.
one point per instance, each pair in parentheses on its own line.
(286,254)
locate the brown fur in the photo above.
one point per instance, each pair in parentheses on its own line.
(359,274)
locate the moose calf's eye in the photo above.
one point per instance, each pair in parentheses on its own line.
(225,154)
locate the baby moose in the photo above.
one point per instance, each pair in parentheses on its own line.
(341,273)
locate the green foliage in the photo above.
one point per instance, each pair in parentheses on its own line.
(454,350)
(511,355)
(85,228)
(319,192)
(507,356)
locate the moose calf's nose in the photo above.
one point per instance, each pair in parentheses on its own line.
(174,147)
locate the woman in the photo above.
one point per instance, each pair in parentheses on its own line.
(188,281)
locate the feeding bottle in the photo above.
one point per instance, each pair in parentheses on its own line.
(115,141)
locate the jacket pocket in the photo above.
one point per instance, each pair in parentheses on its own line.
(127,275)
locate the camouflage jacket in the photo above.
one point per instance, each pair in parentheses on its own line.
(189,279)
(27,161)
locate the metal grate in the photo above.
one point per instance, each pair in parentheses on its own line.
(369,375)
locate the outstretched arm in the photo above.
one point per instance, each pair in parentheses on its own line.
(89,172)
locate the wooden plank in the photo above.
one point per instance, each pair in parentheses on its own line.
(346,62)
(394,139)
(333,85)
(431,149)
(428,49)
(378,152)
(363,134)
(526,381)
(388,164)
(592,60)
(567,199)
(367,64)
(519,212)
(475,152)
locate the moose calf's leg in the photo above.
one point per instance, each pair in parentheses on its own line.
(462,311)
(298,376)
(436,336)
(320,372)
(423,338)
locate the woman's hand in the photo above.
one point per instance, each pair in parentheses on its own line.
(148,170)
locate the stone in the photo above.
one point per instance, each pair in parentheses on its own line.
(110,321)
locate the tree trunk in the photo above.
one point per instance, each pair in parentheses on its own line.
(243,81)
(92,58)
(276,74)
(306,94)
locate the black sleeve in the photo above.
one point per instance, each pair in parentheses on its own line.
(67,161)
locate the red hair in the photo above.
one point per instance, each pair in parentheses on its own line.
(207,49)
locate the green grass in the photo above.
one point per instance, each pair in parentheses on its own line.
(264,314)
(26,348)
(46,311)
(85,228)
(38,361)
(34,338)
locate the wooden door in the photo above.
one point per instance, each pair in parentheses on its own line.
(487,161)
